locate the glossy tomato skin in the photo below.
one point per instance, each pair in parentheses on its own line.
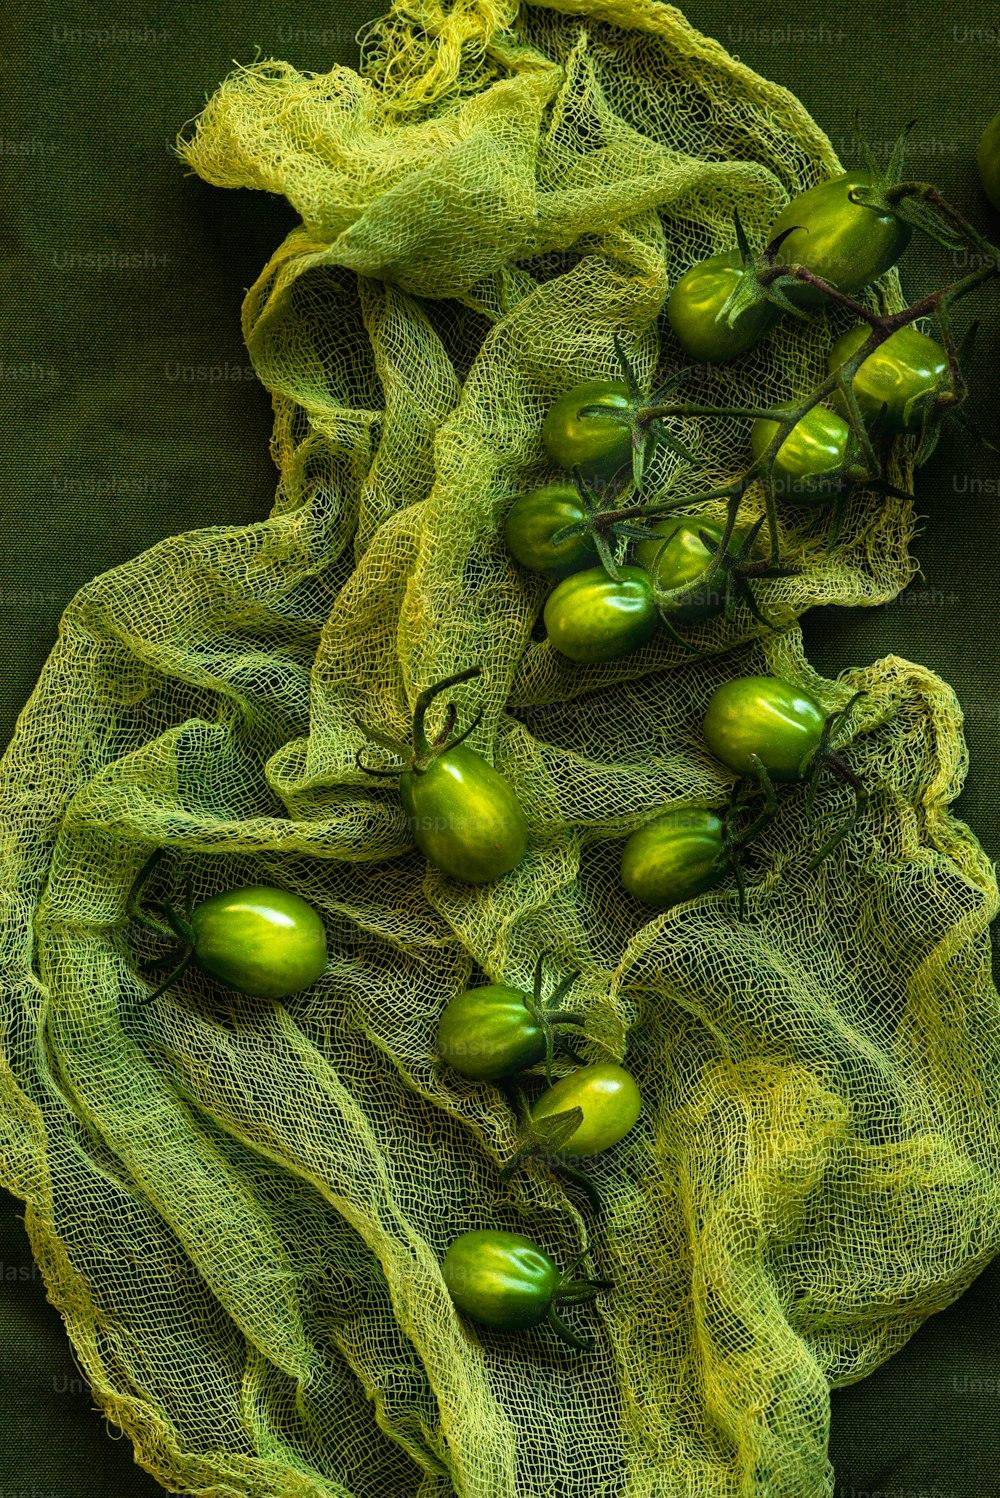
(809,466)
(682,560)
(534,518)
(597,445)
(842,242)
(500,1279)
(766,716)
(464,816)
(906,365)
(487,1033)
(674,857)
(609,1098)
(260,941)
(694,311)
(592,616)
(988,160)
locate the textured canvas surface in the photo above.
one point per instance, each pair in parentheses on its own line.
(94,422)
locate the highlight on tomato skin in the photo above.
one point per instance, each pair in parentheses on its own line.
(463,815)
(258,940)
(534,518)
(767,718)
(810,466)
(261,941)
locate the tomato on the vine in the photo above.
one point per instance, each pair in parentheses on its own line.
(765,717)
(695,306)
(845,243)
(592,616)
(906,367)
(495,1031)
(534,518)
(588,428)
(678,555)
(811,465)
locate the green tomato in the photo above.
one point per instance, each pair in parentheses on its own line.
(694,311)
(464,816)
(260,941)
(592,616)
(988,160)
(500,1279)
(534,518)
(842,242)
(610,1101)
(674,857)
(488,1033)
(907,365)
(598,445)
(810,465)
(683,559)
(767,717)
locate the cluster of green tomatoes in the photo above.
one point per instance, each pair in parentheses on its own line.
(886,378)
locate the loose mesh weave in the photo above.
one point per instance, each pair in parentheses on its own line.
(240,1207)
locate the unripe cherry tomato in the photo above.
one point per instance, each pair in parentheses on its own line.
(811,463)
(260,941)
(500,1279)
(695,305)
(908,364)
(676,856)
(464,816)
(598,445)
(610,1100)
(842,242)
(487,1033)
(505,1281)
(683,559)
(534,518)
(767,717)
(592,616)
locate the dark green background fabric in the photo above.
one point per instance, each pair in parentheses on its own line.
(129,413)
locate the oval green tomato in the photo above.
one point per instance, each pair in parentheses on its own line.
(908,364)
(680,557)
(988,160)
(500,1279)
(694,311)
(534,518)
(592,616)
(488,1033)
(609,1098)
(809,466)
(260,941)
(597,444)
(674,857)
(842,242)
(768,717)
(464,816)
